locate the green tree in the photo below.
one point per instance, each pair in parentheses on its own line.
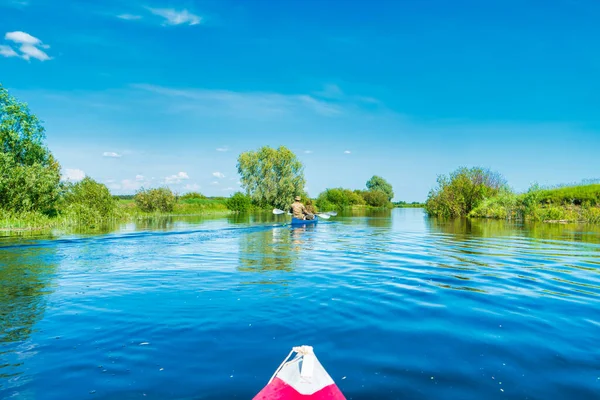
(88,194)
(271,177)
(29,174)
(463,190)
(376,198)
(378,183)
(152,200)
(239,202)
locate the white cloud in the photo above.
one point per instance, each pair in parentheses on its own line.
(30,46)
(347,152)
(130,184)
(214,183)
(111,154)
(129,17)
(139,178)
(218,175)
(177,178)
(73,175)
(192,187)
(255,105)
(173,17)
(308,151)
(224,148)
(7,51)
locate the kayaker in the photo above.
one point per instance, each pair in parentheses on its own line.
(299,211)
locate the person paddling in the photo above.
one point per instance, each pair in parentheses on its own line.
(299,211)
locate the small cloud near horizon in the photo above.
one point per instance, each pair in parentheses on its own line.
(177,178)
(224,148)
(192,187)
(218,174)
(139,178)
(347,152)
(111,154)
(73,175)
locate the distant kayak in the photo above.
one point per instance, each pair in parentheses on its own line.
(303,377)
(296,221)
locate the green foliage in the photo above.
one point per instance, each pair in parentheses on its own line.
(239,202)
(378,183)
(339,198)
(91,195)
(505,205)
(192,196)
(462,191)
(576,195)
(29,174)
(376,198)
(155,200)
(271,177)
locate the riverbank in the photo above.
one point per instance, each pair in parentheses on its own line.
(580,203)
(125,211)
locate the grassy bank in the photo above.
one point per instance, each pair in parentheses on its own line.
(125,211)
(404,204)
(580,203)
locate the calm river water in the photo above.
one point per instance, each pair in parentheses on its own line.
(396,306)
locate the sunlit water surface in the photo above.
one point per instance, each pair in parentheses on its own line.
(396,305)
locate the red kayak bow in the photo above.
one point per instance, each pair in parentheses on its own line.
(301,378)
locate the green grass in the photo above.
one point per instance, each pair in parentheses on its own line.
(564,204)
(126,211)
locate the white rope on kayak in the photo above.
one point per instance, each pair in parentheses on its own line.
(305,352)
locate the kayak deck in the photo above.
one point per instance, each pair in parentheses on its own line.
(303,377)
(296,221)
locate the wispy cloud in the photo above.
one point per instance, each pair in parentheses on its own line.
(111,154)
(139,178)
(243,104)
(347,152)
(174,17)
(7,51)
(73,175)
(224,148)
(218,174)
(308,151)
(177,178)
(29,46)
(129,17)
(214,183)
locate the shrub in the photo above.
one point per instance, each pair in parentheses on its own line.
(91,195)
(193,196)
(462,191)
(338,198)
(375,198)
(239,202)
(153,200)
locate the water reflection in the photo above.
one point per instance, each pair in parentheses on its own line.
(464,228)
(26,275)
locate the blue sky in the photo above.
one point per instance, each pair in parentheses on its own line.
(144,93)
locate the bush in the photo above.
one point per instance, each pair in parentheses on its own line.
(462,191)
(239,202)
(193,196)
(90,194)
(153,200)
(376,198)
(338,198)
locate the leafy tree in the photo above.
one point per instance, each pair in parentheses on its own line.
(193,196)
(239,202)
(29,174)
(378,183)
(89,194)
(376,198)
(463,190)
(151,200)
(339,198)
(271,177)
